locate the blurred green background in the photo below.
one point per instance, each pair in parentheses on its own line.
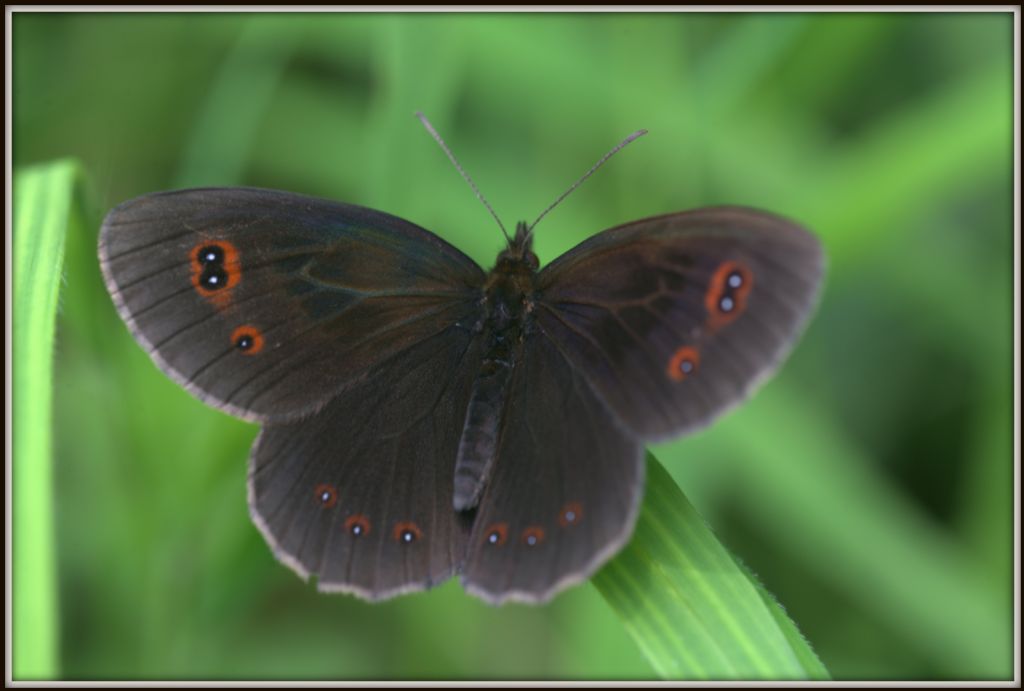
(869,484)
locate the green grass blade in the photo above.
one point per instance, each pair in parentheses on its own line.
(694,612)
(229,121)
(43,204)
(801,647)
(793,482)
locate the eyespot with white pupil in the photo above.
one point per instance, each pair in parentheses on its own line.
(533,536)
(406,533)
(326,495)
(570,515)
(357,525)
(213,278)
(248,339)
(683,363)
(211,254)
(496,534)
(727,293)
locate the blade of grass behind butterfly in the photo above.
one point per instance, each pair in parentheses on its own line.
(43,209)
(694,612)
(221,142)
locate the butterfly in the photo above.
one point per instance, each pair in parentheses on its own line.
(422,417)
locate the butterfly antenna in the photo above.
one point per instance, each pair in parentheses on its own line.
(464,174)
(593,169)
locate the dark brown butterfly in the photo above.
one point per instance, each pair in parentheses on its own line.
(422,417)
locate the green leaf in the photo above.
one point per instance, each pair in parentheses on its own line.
(43,208)
(801,647)
(694,611)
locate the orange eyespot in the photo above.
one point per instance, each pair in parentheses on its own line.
(683,363)
(406,532)
(571,514)
(216,270)
(533,536)
(726,297)
(247,339)
(326,495)
(357,525)
(496,534)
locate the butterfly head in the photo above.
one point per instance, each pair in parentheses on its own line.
(519,254)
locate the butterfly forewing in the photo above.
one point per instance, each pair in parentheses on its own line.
(266,304)
(674,319)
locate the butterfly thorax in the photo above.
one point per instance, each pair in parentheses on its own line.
(508,290)
(508,296)
(505,322)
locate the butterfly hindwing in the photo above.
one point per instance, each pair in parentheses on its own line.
(360,494)
(565,487)
(690,311)
(267,303)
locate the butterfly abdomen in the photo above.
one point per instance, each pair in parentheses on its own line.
(508,307)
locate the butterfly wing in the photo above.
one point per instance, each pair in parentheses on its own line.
(267,304)
(565,486)
(360,494)
(674,319)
